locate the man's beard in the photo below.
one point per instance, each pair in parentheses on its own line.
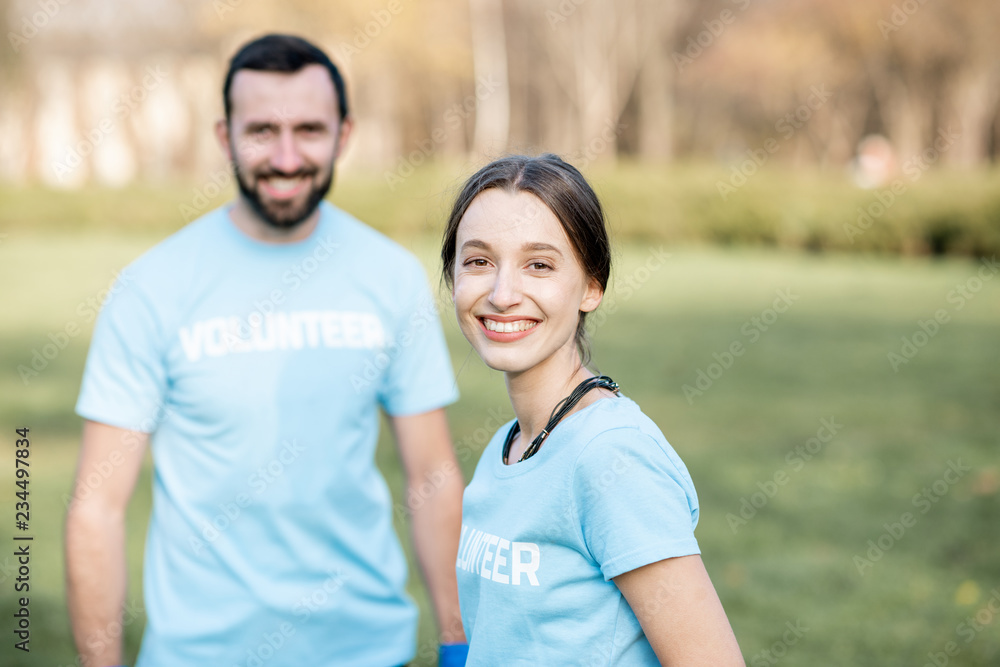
(287,216)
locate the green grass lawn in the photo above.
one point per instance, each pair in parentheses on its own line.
(799,554)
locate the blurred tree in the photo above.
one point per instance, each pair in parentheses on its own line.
(591,79)
(656,26)
(489,58)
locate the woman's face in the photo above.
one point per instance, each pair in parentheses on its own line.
(519,287)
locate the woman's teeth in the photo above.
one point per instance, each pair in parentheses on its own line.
(508,327)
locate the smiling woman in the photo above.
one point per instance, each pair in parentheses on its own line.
(511,287)
(581,493)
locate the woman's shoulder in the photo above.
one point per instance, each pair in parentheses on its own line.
(617,431)
(619,418)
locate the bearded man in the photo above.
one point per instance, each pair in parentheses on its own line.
(251,352)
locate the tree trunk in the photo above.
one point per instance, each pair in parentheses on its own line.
(656,108)
(489,59)
(596,80)
(657,21)
(973,99)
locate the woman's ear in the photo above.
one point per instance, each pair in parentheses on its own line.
(592,297)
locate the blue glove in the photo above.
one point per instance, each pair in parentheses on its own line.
(453,655)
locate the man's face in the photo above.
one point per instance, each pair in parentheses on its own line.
(284,135)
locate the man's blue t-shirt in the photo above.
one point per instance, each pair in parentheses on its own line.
(259,369)
(543,538)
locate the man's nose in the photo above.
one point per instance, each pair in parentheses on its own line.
(286,157)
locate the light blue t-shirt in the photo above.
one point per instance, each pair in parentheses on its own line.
(259,369)
(543,538)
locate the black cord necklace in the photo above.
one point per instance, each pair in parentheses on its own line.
(560,411)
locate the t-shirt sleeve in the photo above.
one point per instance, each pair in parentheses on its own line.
(636,504)
(124,380)
(419,376)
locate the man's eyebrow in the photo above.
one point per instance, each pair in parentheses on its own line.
(274,122)
(261,124)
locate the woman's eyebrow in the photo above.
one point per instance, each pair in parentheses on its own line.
(476,243)
(541,247)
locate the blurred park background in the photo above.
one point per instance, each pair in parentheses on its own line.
(814,181)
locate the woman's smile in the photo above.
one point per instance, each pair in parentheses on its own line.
(519,287)
(507,331)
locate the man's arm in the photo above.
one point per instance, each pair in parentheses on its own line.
(434,489)
(95,538)
(680,613)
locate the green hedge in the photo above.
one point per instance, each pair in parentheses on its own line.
(932,213)
(940,213)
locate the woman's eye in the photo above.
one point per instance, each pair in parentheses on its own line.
(476,262)
(539,266)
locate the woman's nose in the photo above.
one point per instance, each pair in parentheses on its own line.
(506,291)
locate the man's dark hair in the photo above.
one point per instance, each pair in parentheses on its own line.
(282,53)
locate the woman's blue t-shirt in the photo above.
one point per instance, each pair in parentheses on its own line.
(543,538)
